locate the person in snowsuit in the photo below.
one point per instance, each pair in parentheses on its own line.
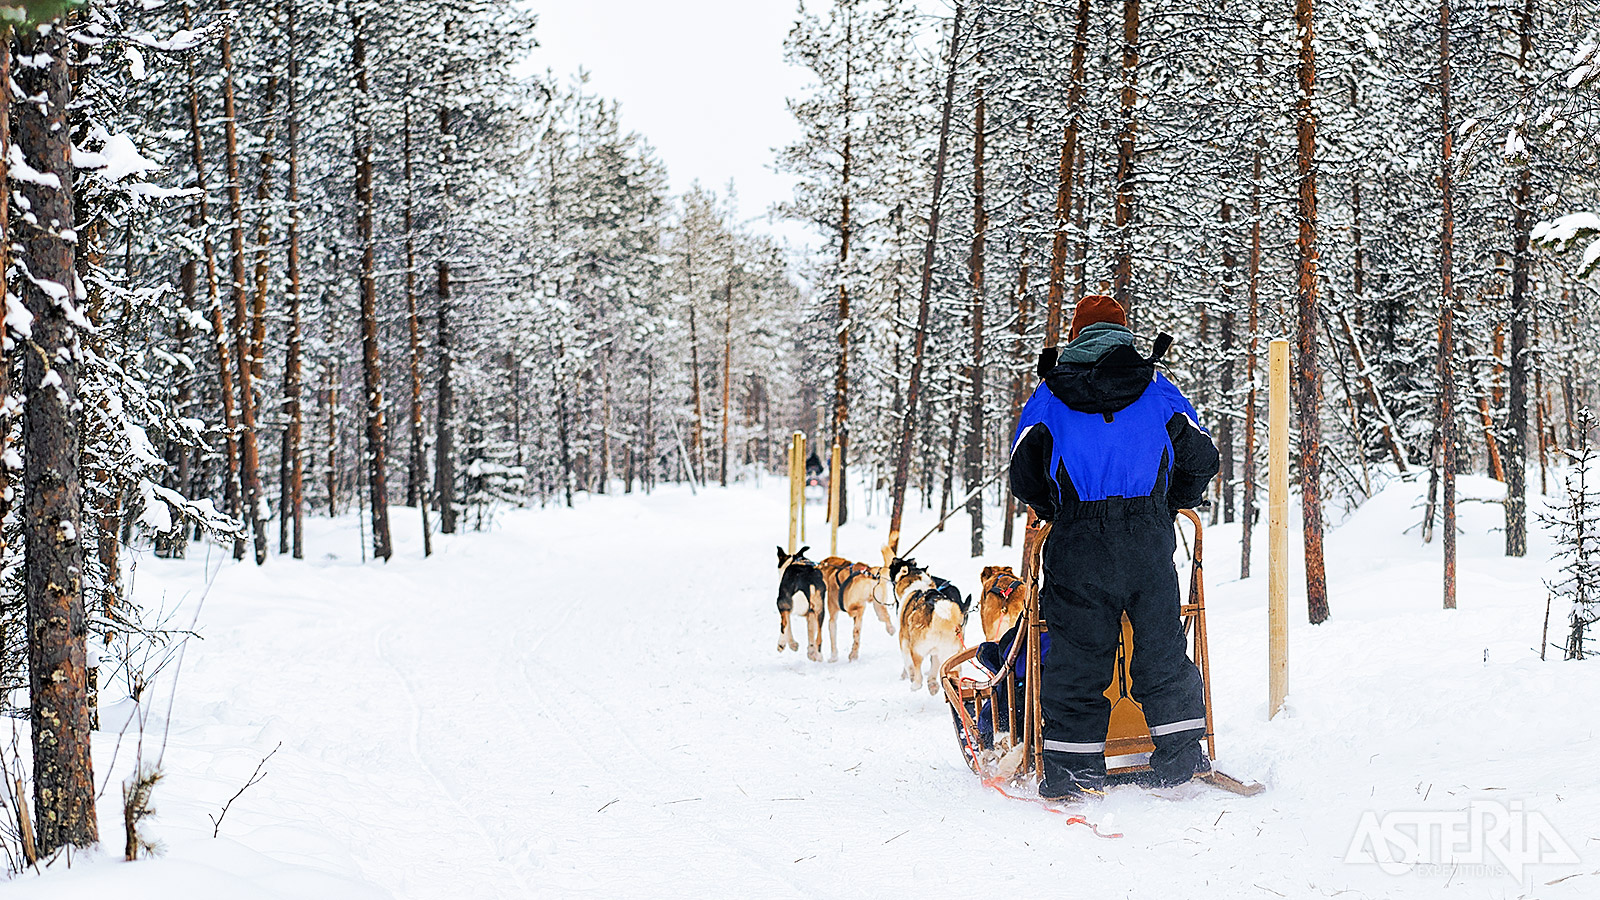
(1108,450)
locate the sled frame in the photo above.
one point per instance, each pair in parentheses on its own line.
(1128,741)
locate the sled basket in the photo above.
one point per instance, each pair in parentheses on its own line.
(994,694)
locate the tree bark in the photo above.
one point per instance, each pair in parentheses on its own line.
(258,312)
(63,776)
(1253,292)
(841,380)
(1516,455)
(1308,378)
(1067,178)
(444,473)
(249,455)
(697,455)
(1447,431)
(727,369)
(973,476)
(1122,265)
(417,476)
(219,331)
(1225,377)
(902,463)
(371,368)
(291,500)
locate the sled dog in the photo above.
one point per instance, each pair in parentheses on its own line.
(933,619)
(801,590)
(851,587)
(1001,601)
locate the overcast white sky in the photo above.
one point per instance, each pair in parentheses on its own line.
(703,80)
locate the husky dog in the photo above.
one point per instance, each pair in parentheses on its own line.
(1000,604)
(851,587)
(801,590)
(933,620)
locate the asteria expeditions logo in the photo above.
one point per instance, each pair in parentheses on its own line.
(1488,837)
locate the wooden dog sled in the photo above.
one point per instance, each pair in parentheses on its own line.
(1011,748)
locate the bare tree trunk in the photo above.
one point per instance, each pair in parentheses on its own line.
(841,381)
(1308,378)
(258,312)
(371,368)
(1069,156)
(63,775)
(727,371)
(1225,378)
(249,455)
(292,497)
(1019,387)
(417,477)
(1122,266)
(698,437)
(975,427)
(219,331)
(331,395)
(444,472)
(1447,431)
(902,463)
(1521,312)
(1253,292)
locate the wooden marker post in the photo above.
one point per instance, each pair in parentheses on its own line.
(796,475)
(833,501)
(800,481)
(1277,527)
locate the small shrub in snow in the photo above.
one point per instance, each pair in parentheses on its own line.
(1577,524)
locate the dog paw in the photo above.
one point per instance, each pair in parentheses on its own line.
(833,657)
(794,646)
(782,646)
(933,686)
(853,656)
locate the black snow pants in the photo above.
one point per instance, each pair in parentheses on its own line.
(1113,557)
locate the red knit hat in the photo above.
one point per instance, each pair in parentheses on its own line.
(1096,308)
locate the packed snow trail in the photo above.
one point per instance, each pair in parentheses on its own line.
(589,703)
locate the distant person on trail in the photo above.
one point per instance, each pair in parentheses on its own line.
(813,465)
(1108,450)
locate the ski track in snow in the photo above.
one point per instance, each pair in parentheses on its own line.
(587,703)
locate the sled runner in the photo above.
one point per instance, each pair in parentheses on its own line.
(994,688)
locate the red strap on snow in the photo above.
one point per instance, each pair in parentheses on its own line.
(1071,819)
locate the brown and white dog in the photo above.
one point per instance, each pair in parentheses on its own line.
(933,619)
(802,590)
(851,587)
(1001,602)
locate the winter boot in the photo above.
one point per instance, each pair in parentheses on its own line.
(1072,776)
(1173,764)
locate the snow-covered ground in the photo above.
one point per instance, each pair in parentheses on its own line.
(588,702)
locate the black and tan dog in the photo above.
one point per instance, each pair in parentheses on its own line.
(933,620)
(852,586)
(1001,602)
(801,590)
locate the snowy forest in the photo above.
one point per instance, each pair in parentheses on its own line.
(270,262)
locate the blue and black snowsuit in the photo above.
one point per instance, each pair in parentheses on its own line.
(1109,450)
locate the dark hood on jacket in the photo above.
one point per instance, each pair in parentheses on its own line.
(1110,383)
